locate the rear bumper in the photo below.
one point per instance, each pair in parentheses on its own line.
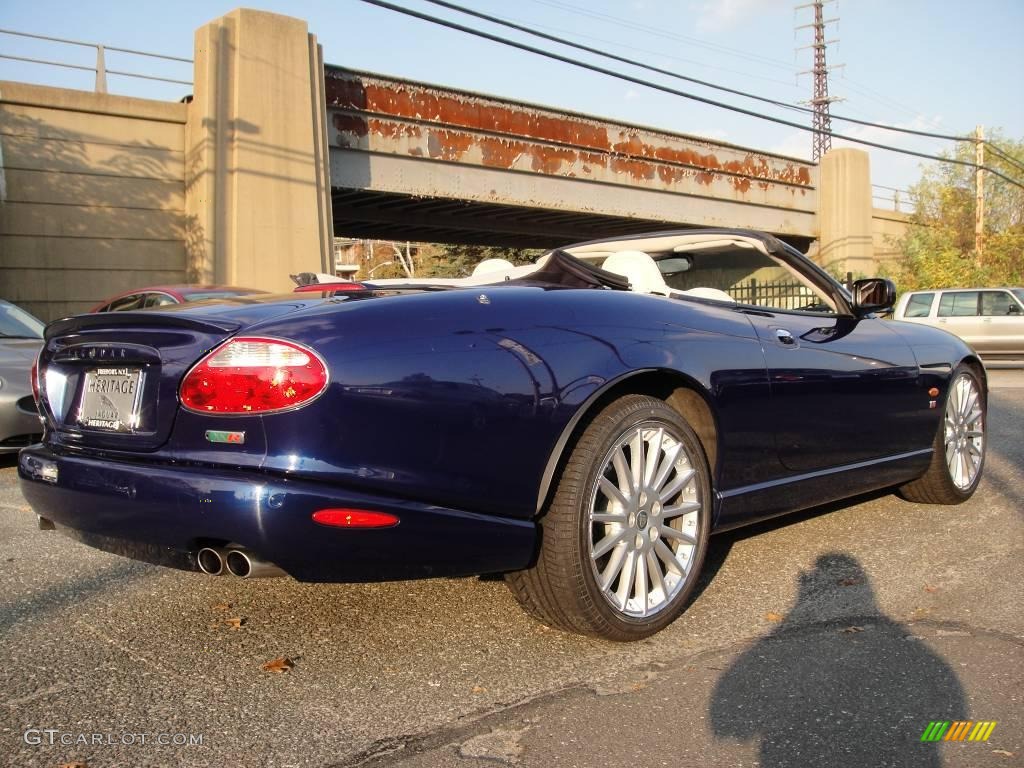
(164,514)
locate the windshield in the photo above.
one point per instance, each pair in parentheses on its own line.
(16,323)
(744,275)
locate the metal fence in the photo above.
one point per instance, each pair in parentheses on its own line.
(782,294)
(898,199)
(100,69)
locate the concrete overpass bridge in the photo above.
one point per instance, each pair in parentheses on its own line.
(410,160)
(274,152)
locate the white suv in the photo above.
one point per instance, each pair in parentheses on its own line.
(989,319)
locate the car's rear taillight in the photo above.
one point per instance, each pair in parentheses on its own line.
(34,375)
(254,375)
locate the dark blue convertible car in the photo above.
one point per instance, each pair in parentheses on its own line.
(581,425)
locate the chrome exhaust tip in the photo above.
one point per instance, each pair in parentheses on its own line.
(245,565)
(211,561)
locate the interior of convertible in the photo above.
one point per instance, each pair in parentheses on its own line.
(724,268)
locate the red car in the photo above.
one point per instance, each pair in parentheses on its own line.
(161,295)
(320,282)
(340,285)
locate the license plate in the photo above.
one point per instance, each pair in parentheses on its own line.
(110,399)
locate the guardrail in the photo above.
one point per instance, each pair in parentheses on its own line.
(100,69)
(898,199)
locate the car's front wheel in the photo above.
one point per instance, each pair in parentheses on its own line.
(624,535)
(958,455)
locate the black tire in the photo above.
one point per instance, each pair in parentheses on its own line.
(937,485)
(562,588)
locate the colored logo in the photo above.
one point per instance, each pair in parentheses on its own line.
(220,436)
(958,730)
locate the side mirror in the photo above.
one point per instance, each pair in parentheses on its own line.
(1013,310)
(873,294)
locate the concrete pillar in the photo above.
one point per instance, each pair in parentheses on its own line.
(844,213)
(257,194)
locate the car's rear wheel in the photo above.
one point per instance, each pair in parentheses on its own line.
(959,449)
(624,535)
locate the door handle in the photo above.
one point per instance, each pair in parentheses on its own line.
(784,336)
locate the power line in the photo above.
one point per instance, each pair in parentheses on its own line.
(651,68)
(662,54)
(620,21)
(666,89)
(1005,157)
(615,57)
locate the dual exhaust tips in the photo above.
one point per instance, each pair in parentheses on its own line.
(238,562)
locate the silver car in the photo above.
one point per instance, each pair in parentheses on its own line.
(989,319)
(21,336)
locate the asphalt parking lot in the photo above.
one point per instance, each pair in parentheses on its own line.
(832,637)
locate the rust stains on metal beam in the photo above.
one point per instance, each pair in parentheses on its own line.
(378,114)
(401,100)
(516,154)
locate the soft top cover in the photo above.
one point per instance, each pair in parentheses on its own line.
(566,270)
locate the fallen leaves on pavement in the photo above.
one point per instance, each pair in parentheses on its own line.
(850,581)
(852,629)
(278,665)
(773,616)
(235,623)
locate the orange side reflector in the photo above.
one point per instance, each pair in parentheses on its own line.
(354,518)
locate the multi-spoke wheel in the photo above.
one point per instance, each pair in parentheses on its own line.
(624,536)
(964,431)
(959,447)
(643,520)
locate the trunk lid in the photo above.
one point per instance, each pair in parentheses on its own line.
(110,381)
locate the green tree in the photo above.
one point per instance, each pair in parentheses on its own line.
(391,259)
(939,250)
(459,260)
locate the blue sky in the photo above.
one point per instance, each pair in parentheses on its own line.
(935,64)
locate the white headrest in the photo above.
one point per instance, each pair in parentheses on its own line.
(639,268)
(492,265)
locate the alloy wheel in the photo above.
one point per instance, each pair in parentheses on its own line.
(644,521)
(964,432)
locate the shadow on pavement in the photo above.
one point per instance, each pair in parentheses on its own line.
(855,693)
(720,544)
(68,593)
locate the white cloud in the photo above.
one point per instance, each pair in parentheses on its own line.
(711,134)
(796,144)
(889,169)
(717,15)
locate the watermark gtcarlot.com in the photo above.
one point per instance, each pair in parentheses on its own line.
(56,737)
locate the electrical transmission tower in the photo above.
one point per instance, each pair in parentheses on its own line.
(821,100)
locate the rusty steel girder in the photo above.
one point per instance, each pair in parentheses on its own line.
(399,118)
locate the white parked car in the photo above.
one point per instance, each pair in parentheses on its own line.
(989,319)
